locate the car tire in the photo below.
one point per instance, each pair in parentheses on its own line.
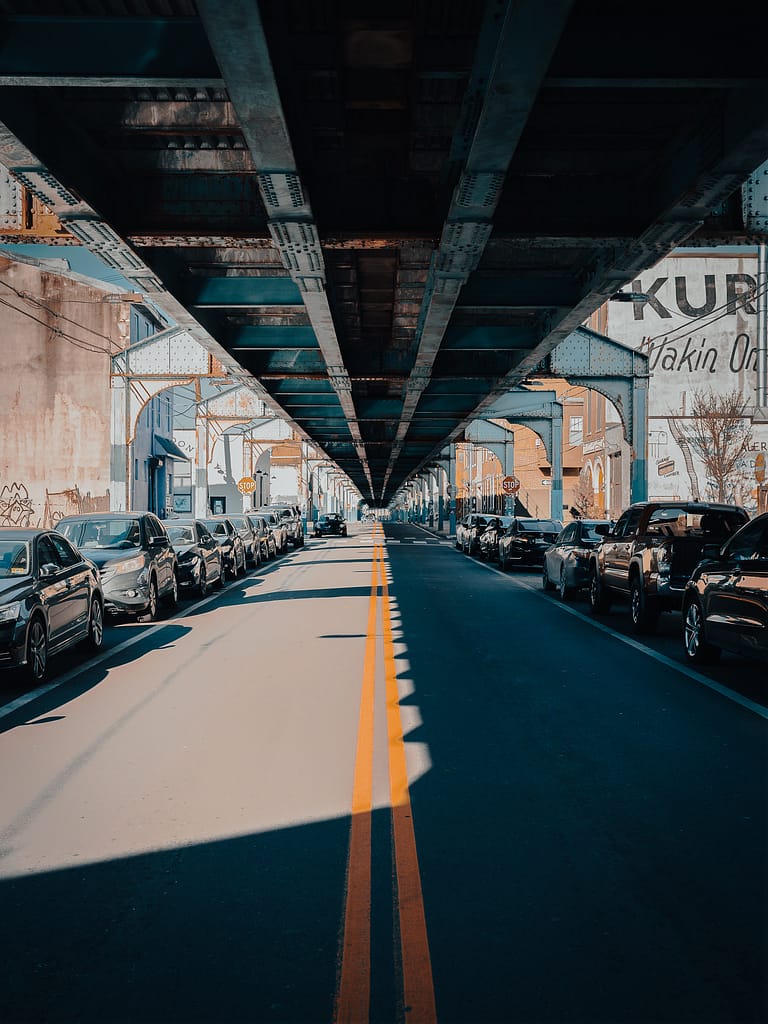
(697,650)
(546,582)
(502,561)
(599,601)
(202,585)
(171,599)
(562,587)
(643,614)
(94,639)
(36,665)
(150,612)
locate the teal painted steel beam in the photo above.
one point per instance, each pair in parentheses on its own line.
(520,290)
(244,339)
(110,51)
(228,292)
(483,339)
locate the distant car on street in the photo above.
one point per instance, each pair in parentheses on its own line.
(566,562)
(469,529)
(138,566)
(50,599)
(290,516)
(725,603)
(488,543)
(243,525)
(230,544)
(278,527)
(526,539)
(265,538)
(198,554)
(331,524)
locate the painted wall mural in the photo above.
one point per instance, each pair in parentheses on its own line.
(16,506)
(695,316)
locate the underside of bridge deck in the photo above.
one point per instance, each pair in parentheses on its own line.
(387,213)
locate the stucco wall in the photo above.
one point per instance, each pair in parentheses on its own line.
(55,400)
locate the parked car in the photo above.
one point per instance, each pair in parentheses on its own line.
(331,524)
(198,554)
(138,565)
(290,515)
(566,562)
(265,538)
(50,599)
(725,601)
(650,553)
(251,547)
(278,528)
(488,542)
(526,539)
(468,531)
(230,545)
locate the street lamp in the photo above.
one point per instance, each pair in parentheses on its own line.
(260,474)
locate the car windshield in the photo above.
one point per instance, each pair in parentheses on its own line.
(217,528)
(14,558)
(539,526)
(181,534)
(102,533)
(589,531)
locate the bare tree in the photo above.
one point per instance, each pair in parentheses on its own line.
(718,431)
(584,499)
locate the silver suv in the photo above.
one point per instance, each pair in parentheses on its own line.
(290,516)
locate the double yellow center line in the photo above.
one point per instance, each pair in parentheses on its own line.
(354,987)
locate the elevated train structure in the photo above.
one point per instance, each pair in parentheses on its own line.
(384,217)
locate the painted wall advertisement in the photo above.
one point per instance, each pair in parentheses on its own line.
(695,316)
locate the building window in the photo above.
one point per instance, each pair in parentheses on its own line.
(575,429)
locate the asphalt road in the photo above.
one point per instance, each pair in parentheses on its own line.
(552,822)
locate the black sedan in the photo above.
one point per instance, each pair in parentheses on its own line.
(725,603)
(198,554)
(525,541)
(50,599)
(566,562)
(230,544)
(331,524)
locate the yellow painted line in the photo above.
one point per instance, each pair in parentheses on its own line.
(418,987)
(352,1005)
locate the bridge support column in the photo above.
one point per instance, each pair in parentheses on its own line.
(639,472)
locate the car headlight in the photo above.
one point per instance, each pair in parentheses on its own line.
(129,565)
(10,612)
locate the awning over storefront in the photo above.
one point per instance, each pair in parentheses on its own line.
(164,448)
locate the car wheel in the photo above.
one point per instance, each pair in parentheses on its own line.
(202,586)
(37,651)
(150,612)
(697,650)
(599,601)
(221,577)
(257,558)
(172,597)
(562,588)
(546,582)
(642,613)
(95,636)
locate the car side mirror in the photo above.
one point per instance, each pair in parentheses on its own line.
(159,542)
(48,570)
(603,529)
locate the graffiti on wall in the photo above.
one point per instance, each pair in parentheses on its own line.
(16,506)
(71,502)
(18,509)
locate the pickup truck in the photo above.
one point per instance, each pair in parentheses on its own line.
(650,553)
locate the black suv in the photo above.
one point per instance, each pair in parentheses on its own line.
(136,559)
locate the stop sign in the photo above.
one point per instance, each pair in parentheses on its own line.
(510,485)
